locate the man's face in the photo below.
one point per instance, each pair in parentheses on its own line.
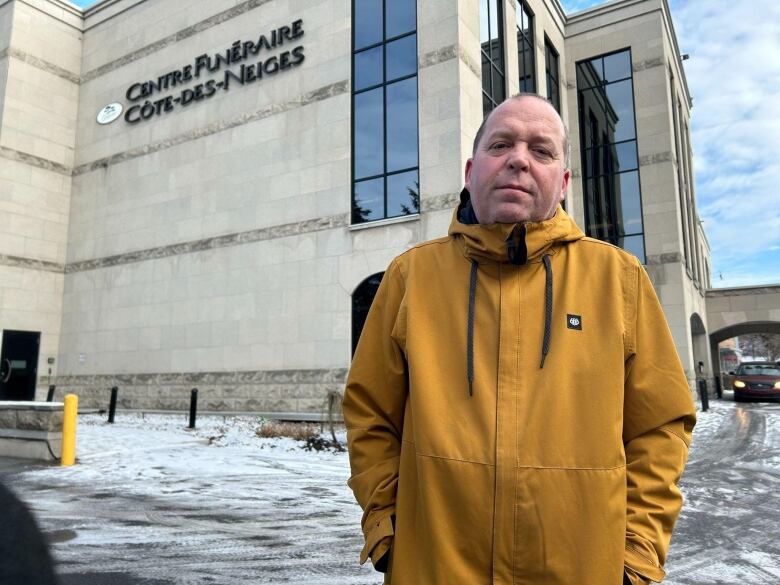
(517,172)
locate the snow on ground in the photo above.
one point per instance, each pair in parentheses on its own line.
(163,505)
(155,501)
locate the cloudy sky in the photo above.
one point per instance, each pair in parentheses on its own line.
(734,78)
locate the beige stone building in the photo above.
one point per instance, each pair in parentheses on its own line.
(204,194)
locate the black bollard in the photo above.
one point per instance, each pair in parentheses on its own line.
(193,407)
(50,395)
(112,405)
(718,387)
(705,399)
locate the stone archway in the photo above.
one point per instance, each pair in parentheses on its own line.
(736,330)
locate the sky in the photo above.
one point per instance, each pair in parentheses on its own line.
(734,78)
(733,75)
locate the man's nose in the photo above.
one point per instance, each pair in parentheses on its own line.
(519,157)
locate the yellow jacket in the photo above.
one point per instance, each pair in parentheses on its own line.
(478,459)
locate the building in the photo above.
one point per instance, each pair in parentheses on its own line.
(205,194)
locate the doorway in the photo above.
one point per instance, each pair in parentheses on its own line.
(19,364)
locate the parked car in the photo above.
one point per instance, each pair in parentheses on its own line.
(757,381)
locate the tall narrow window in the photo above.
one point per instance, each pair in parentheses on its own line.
(385,161)
(552,73)
(610,179)
(525,48)
(681,183)
(491,37)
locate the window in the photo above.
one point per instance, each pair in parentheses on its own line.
(491,37)
(552,74)
(361,302)
(525,48)
(610,178)
(385,162)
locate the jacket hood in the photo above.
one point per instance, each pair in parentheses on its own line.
(515,243)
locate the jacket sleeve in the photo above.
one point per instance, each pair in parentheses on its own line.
(373,407)
(658,419)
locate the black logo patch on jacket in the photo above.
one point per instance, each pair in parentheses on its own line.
(574,322)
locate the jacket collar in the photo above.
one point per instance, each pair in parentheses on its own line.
(494,242)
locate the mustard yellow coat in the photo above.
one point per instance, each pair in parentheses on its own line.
(553,475)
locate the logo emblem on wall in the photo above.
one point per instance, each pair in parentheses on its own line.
(109,113)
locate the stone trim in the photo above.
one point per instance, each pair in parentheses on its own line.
(255,377)
(235,239)
(41,64)
(310,97)
(467,61)
(171,39)
(644,161)
(648,64)
(654,159)
(440,202)
(35,161)
(668,258)
(31,263)
(438,56)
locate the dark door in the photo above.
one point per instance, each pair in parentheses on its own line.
(19,365)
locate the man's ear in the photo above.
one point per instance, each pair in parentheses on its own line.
(565,184)
(467,174)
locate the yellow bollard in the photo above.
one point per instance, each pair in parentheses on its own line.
(69,429)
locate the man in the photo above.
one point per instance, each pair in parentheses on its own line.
(516,410)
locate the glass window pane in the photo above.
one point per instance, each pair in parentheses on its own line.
(498,86)
(628,202)
(403,194)
(523,18)
(494,28)
(635,245)
(590,73)
(368,68)
(496,34)
(484,34)
(486,83)
(402,57)
(625,156)
(369,134)
(487,105)
(402,124)
(401,17)
(620,110)
(617,66)
(367,26)
(368,201)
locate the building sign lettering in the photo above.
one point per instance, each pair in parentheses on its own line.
(258,59)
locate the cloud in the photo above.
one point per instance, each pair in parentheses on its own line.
(734,78)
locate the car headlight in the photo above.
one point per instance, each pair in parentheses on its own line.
(739,384)
(777,385)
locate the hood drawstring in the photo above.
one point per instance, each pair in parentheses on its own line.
(470,333)
(548,302)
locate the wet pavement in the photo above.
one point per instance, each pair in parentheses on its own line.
(159,511)
(729,529)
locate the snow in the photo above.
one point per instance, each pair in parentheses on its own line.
(151,499)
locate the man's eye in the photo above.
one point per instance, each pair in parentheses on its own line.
(498,145)
(543,152)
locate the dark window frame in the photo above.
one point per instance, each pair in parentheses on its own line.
(604,175)
(526,80)
(495,68)
(552,74)
(414,207)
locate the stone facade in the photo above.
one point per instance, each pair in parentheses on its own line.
(210,245)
